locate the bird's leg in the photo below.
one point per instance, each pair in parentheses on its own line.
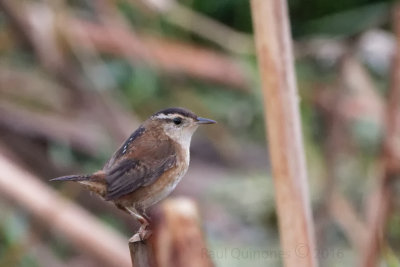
(143,228)
(143,233)
(142,219)
(144,214)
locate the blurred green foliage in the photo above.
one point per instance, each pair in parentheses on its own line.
(341,17)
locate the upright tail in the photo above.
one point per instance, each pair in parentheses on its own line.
(75,178)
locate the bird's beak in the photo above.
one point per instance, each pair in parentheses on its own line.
(201,120)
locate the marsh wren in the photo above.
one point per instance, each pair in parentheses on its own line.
(147,166)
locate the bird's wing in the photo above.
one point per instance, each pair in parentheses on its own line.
(130,174)
(124,147)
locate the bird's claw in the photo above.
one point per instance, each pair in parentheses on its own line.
(139,237)
(142,235)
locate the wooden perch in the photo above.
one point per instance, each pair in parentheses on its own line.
(177,239)
(274,52)
(84,231)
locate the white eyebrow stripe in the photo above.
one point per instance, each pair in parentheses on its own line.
(165,116)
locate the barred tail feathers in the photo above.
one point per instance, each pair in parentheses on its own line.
(94,182)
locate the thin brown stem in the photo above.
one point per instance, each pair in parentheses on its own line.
(274,50)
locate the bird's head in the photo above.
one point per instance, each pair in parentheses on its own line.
(178,123)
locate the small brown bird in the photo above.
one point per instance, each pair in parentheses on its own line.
(147,166)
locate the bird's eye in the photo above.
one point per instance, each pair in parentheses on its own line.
(177,120)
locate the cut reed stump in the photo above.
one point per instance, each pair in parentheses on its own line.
(177,239)
(141,254)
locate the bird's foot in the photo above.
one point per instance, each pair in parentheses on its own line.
(142,235)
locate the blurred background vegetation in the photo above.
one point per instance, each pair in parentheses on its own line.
(76,77)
